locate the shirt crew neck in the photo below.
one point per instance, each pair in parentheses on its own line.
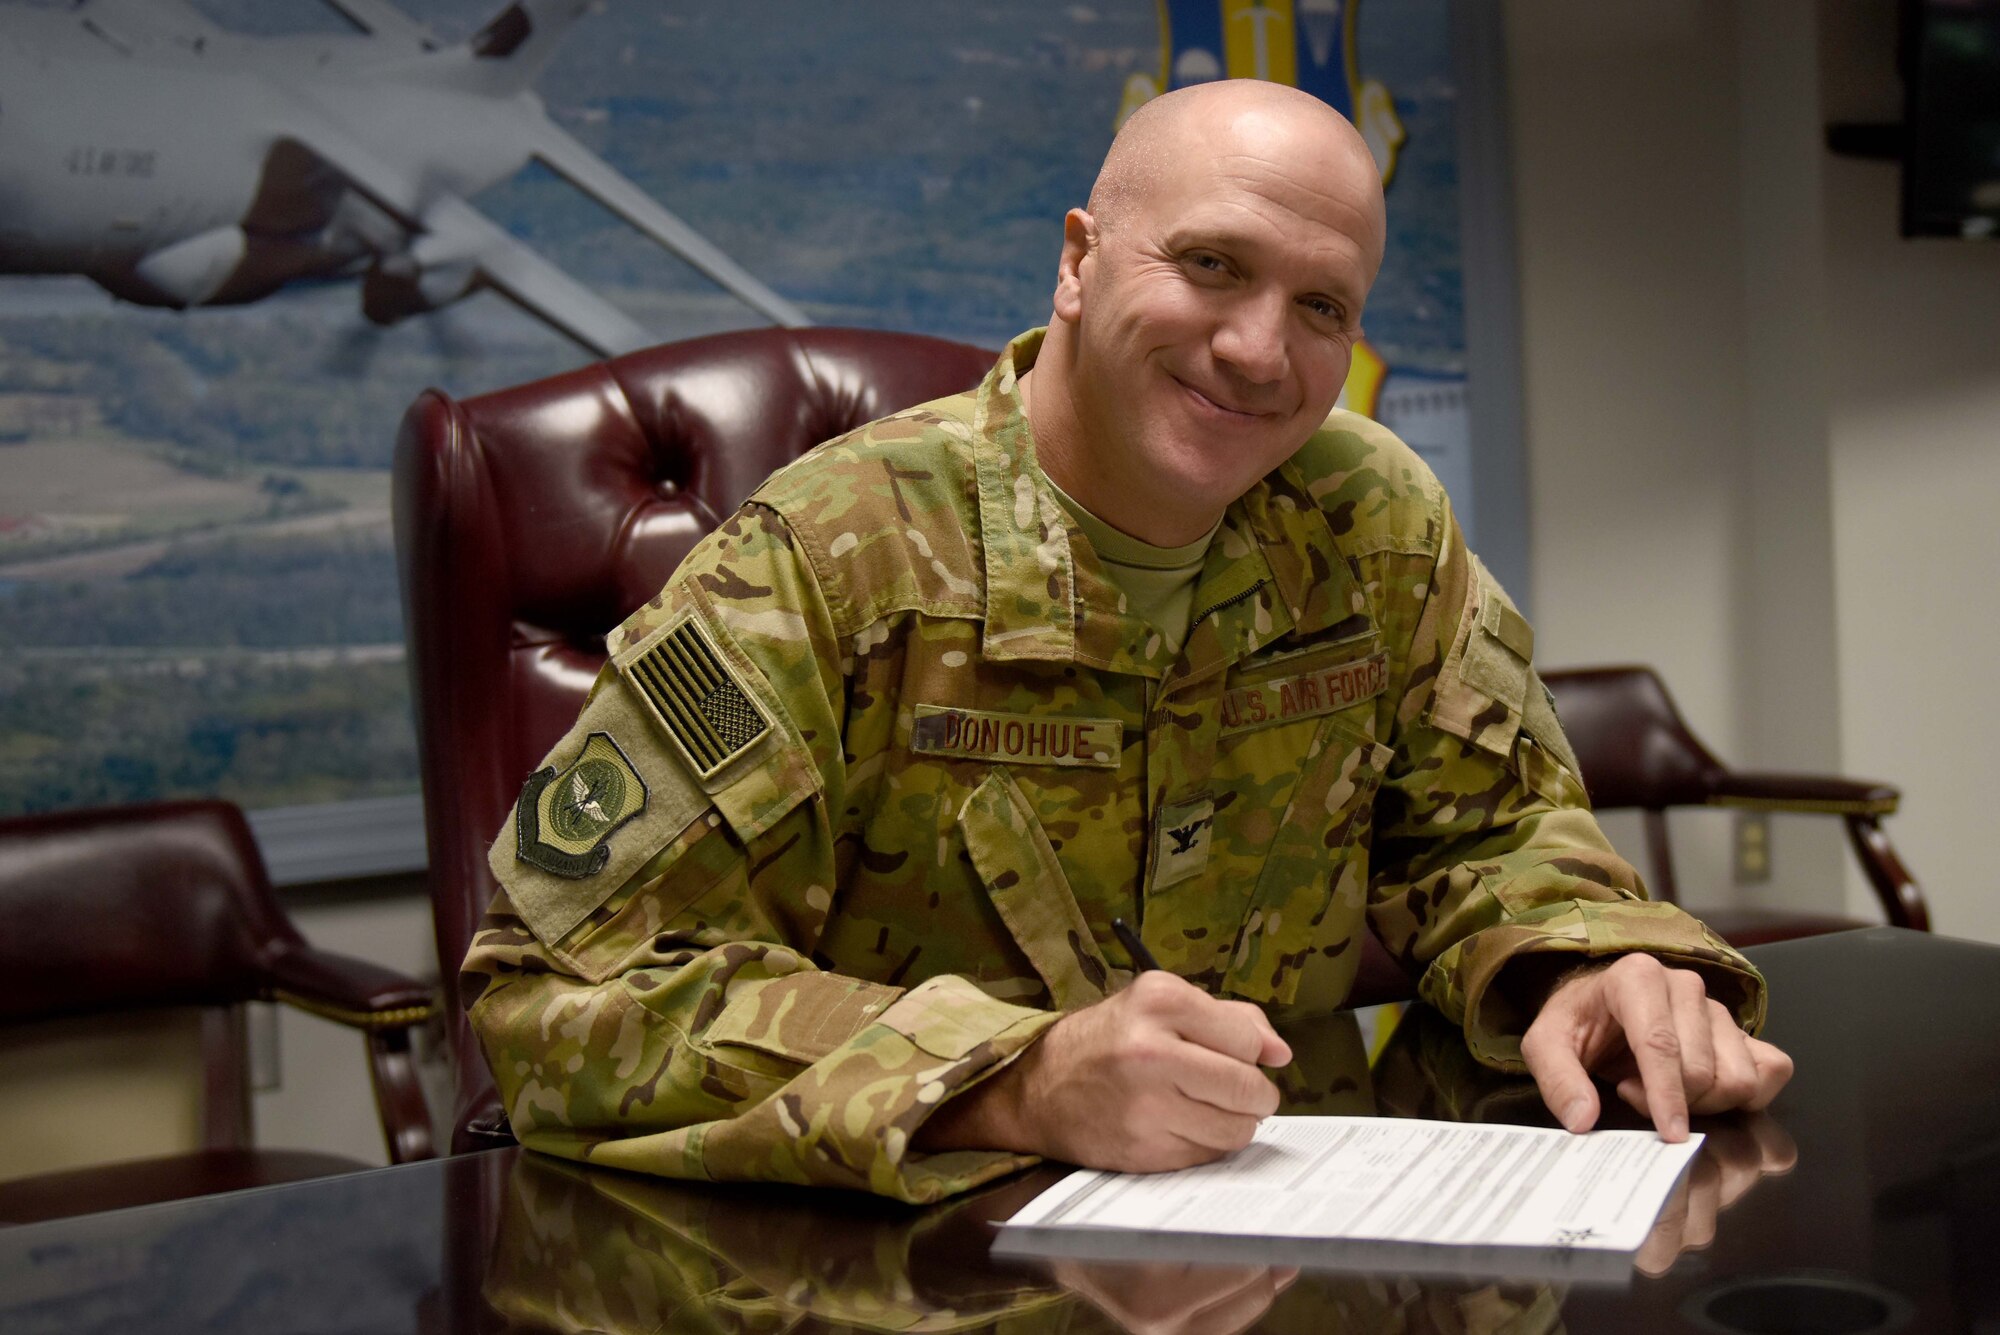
(1158,582)
(1117,547)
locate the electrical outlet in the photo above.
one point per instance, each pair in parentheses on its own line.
(1753,847)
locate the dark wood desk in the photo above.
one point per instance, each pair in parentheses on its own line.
(1884,1223)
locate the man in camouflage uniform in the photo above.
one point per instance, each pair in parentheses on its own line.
(820,886)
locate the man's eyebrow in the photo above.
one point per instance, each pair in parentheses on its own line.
(1190,235)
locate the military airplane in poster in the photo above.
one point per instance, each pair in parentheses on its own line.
(177,164)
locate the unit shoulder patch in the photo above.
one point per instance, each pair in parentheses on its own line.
(564,818)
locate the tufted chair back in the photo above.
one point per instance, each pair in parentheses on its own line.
(531,521)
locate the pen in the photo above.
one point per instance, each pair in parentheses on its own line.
(1142,958)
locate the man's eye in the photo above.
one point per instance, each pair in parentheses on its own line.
(1212,263)
(1323,308)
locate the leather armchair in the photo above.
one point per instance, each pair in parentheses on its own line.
(531,521)
(1637,752)
(169,905)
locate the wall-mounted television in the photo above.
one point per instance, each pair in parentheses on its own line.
(1951,127)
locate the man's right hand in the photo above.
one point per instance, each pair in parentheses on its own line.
(1160,1076)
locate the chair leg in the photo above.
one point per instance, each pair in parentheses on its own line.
(225,1078)
(1894,885)
(1660,855)
(399,1096)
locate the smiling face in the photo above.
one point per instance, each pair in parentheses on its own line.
(1206,312)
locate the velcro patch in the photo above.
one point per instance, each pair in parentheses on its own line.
(1180,841)
(564,817)
(696,699)
(1017,739)
(1508,626)
(1305,694)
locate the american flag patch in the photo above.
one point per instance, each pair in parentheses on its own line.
(697,699)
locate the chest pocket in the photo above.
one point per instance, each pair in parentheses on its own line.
(1311,884)
(1295,687)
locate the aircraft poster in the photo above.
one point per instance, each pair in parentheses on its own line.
(237,237)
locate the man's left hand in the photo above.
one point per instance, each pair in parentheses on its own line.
(1658,1037)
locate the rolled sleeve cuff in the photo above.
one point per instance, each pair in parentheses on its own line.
(1462,981)
(848,1119)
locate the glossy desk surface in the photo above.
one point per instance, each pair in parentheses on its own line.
(1868,1200)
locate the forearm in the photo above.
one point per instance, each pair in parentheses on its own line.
(1492,875)
(1499,925)
(744,1062)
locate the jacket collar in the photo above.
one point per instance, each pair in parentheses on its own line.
(1272,568)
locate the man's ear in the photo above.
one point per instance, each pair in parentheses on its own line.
(1078,253)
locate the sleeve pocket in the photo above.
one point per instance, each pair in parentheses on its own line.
(801,1017)
(555,891)
(1484,681)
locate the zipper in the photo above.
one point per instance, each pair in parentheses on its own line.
(1157,713)
(1230,601)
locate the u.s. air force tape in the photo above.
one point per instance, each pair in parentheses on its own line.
(1304,695)
(1017,739)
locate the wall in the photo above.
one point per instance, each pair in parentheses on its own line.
(1627,210)
(1745,396)
(1914,448)
(80,1091)
(1786,670)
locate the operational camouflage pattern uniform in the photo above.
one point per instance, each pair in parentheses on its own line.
(847,818)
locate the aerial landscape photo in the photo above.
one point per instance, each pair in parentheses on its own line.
(197,580)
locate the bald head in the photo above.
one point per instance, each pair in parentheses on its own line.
(1205,122)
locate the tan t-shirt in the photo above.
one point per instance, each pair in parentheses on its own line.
(1158,582)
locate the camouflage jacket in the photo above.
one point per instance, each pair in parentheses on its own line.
(848,816)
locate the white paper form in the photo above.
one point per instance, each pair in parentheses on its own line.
(1433,1185)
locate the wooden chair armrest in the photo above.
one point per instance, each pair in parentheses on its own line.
(1825,794)
(385,1005)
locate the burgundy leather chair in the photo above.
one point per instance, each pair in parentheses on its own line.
(169,905)
(531,521)
(1637,752)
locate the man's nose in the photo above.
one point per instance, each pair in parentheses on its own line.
(1251,338)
